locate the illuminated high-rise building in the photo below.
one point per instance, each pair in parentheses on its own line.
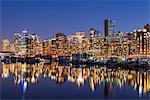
(30,45)
(38,45)
(85,45)
(24,41)
(54,48)
(79,39)
(72,44)
(92,33)
(17,43)
(47,47)
(142,39)
(109,27)
(112,28)
(61,43)
(94,41)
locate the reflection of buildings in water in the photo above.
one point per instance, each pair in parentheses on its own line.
(106,88)
(5,71)
(140,81)
(59,80)
(111,89)
(24,85)
(22,71)
(92,84)
(31,73)
(80,80)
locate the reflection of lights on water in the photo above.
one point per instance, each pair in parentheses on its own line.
(24,86)
(140,91)
(71,79)
(135,86)
(5,72)
(33,79)
(49,75)
(119,77)
(5,75)
(92,84)
(80,80)
(45,75)
(52,77)
(24,67)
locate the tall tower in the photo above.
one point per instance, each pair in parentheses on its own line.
(24,41)
(112,28)
(106,27)
(109,27)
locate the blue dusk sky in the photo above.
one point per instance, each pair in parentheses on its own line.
(47,17)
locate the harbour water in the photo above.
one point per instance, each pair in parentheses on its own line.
(57,81)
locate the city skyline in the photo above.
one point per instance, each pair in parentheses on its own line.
(74,49)
(111,44)
(49,17)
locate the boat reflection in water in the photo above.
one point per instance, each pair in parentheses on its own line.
(110,79)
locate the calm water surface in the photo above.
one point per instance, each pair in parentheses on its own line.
(52,81)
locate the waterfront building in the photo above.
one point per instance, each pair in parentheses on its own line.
(27,44)
(72,44)
(30,45)
(17,43)
(125,46)
(94,40)
(147,29)
(47,47)
(79,40)
(101,45)
(54,48)
(24,40)
(92,33)
(60,43)
(85,45)
(131,40)
(142,38)
(38,45)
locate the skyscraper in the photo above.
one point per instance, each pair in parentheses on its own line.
(79,36)
(61,43)
(38,49)
(24,41)
(112,28)
(17,43)
(109,27)
(106,27)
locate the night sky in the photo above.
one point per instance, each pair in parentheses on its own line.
(47,17)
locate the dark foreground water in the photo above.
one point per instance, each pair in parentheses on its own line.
(51,81)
